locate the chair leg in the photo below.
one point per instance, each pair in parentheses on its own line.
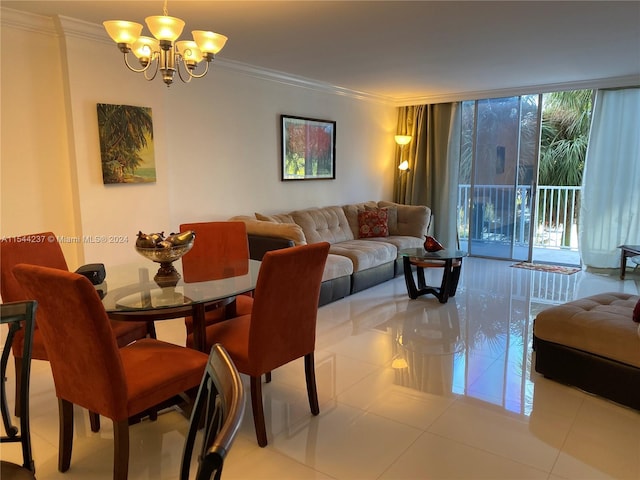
(65,411)
(258,410)
(120,449)
(18,366)
(153,414)
(151,329)
(312,391)
(94,421)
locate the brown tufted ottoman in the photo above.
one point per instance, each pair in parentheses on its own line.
(593,344)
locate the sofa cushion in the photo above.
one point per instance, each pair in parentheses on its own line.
(373,223)
(337,266)
(351,213)
(326,224)
(392,217)
(598,324)
(277,218)
(399,241)
(364,253)
(288,231)
(413,220)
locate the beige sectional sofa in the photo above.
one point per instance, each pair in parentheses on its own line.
(355,262)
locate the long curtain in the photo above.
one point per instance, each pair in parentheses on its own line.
(610,208)
(433,156)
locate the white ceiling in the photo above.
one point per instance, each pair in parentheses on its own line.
(406,52)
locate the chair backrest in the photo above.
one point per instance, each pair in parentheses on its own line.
(219,407)
(85,362)
(19,316)
(220,250)
(36,249)
(285,306)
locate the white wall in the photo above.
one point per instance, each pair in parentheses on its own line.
(216,141)
(36,192)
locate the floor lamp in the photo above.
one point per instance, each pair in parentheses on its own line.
(402,141)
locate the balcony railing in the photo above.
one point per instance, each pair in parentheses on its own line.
(499,213)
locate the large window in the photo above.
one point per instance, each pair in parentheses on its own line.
(520,179)
(498,165)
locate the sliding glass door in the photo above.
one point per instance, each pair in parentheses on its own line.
(498,165)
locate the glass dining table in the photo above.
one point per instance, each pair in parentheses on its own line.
(135,292)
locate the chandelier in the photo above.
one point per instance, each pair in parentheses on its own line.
(163,52)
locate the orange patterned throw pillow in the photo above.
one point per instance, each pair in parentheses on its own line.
(373,223)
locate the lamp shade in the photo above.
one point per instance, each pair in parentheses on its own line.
(122,31)
(144,47)
(209,42)
(189,51)
(402,139)
(164,27)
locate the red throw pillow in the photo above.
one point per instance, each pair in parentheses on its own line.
(373,223)
(636,312)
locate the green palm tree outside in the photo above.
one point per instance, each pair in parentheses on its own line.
(566,120)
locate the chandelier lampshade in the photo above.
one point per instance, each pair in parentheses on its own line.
(209,42)
(163,52)
(191,54)
(164,27)
(122,31)
(144,48)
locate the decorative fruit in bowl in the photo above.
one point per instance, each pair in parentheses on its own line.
(160,249)
(165,251)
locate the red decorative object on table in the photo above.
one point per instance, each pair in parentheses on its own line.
(432,245)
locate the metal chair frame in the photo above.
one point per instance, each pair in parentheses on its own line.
(218,409)
(18,315)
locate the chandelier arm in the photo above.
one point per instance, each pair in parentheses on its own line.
(133,69)
(189,76)
(197,75)
(155,70)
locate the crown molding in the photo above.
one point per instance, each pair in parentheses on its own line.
(293,80)
(27,21)
(609,82)
(71,27)
(66,26)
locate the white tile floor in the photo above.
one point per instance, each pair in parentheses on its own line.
(409,389)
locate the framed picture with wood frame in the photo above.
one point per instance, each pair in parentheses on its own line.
(126,144)
(308,149)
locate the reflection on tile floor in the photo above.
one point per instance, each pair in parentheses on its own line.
(408,389)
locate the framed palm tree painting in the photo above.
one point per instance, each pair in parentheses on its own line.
(126,144)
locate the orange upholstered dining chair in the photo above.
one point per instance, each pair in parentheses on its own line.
(90,370)
(282,324)
(221,250)
(43,249)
